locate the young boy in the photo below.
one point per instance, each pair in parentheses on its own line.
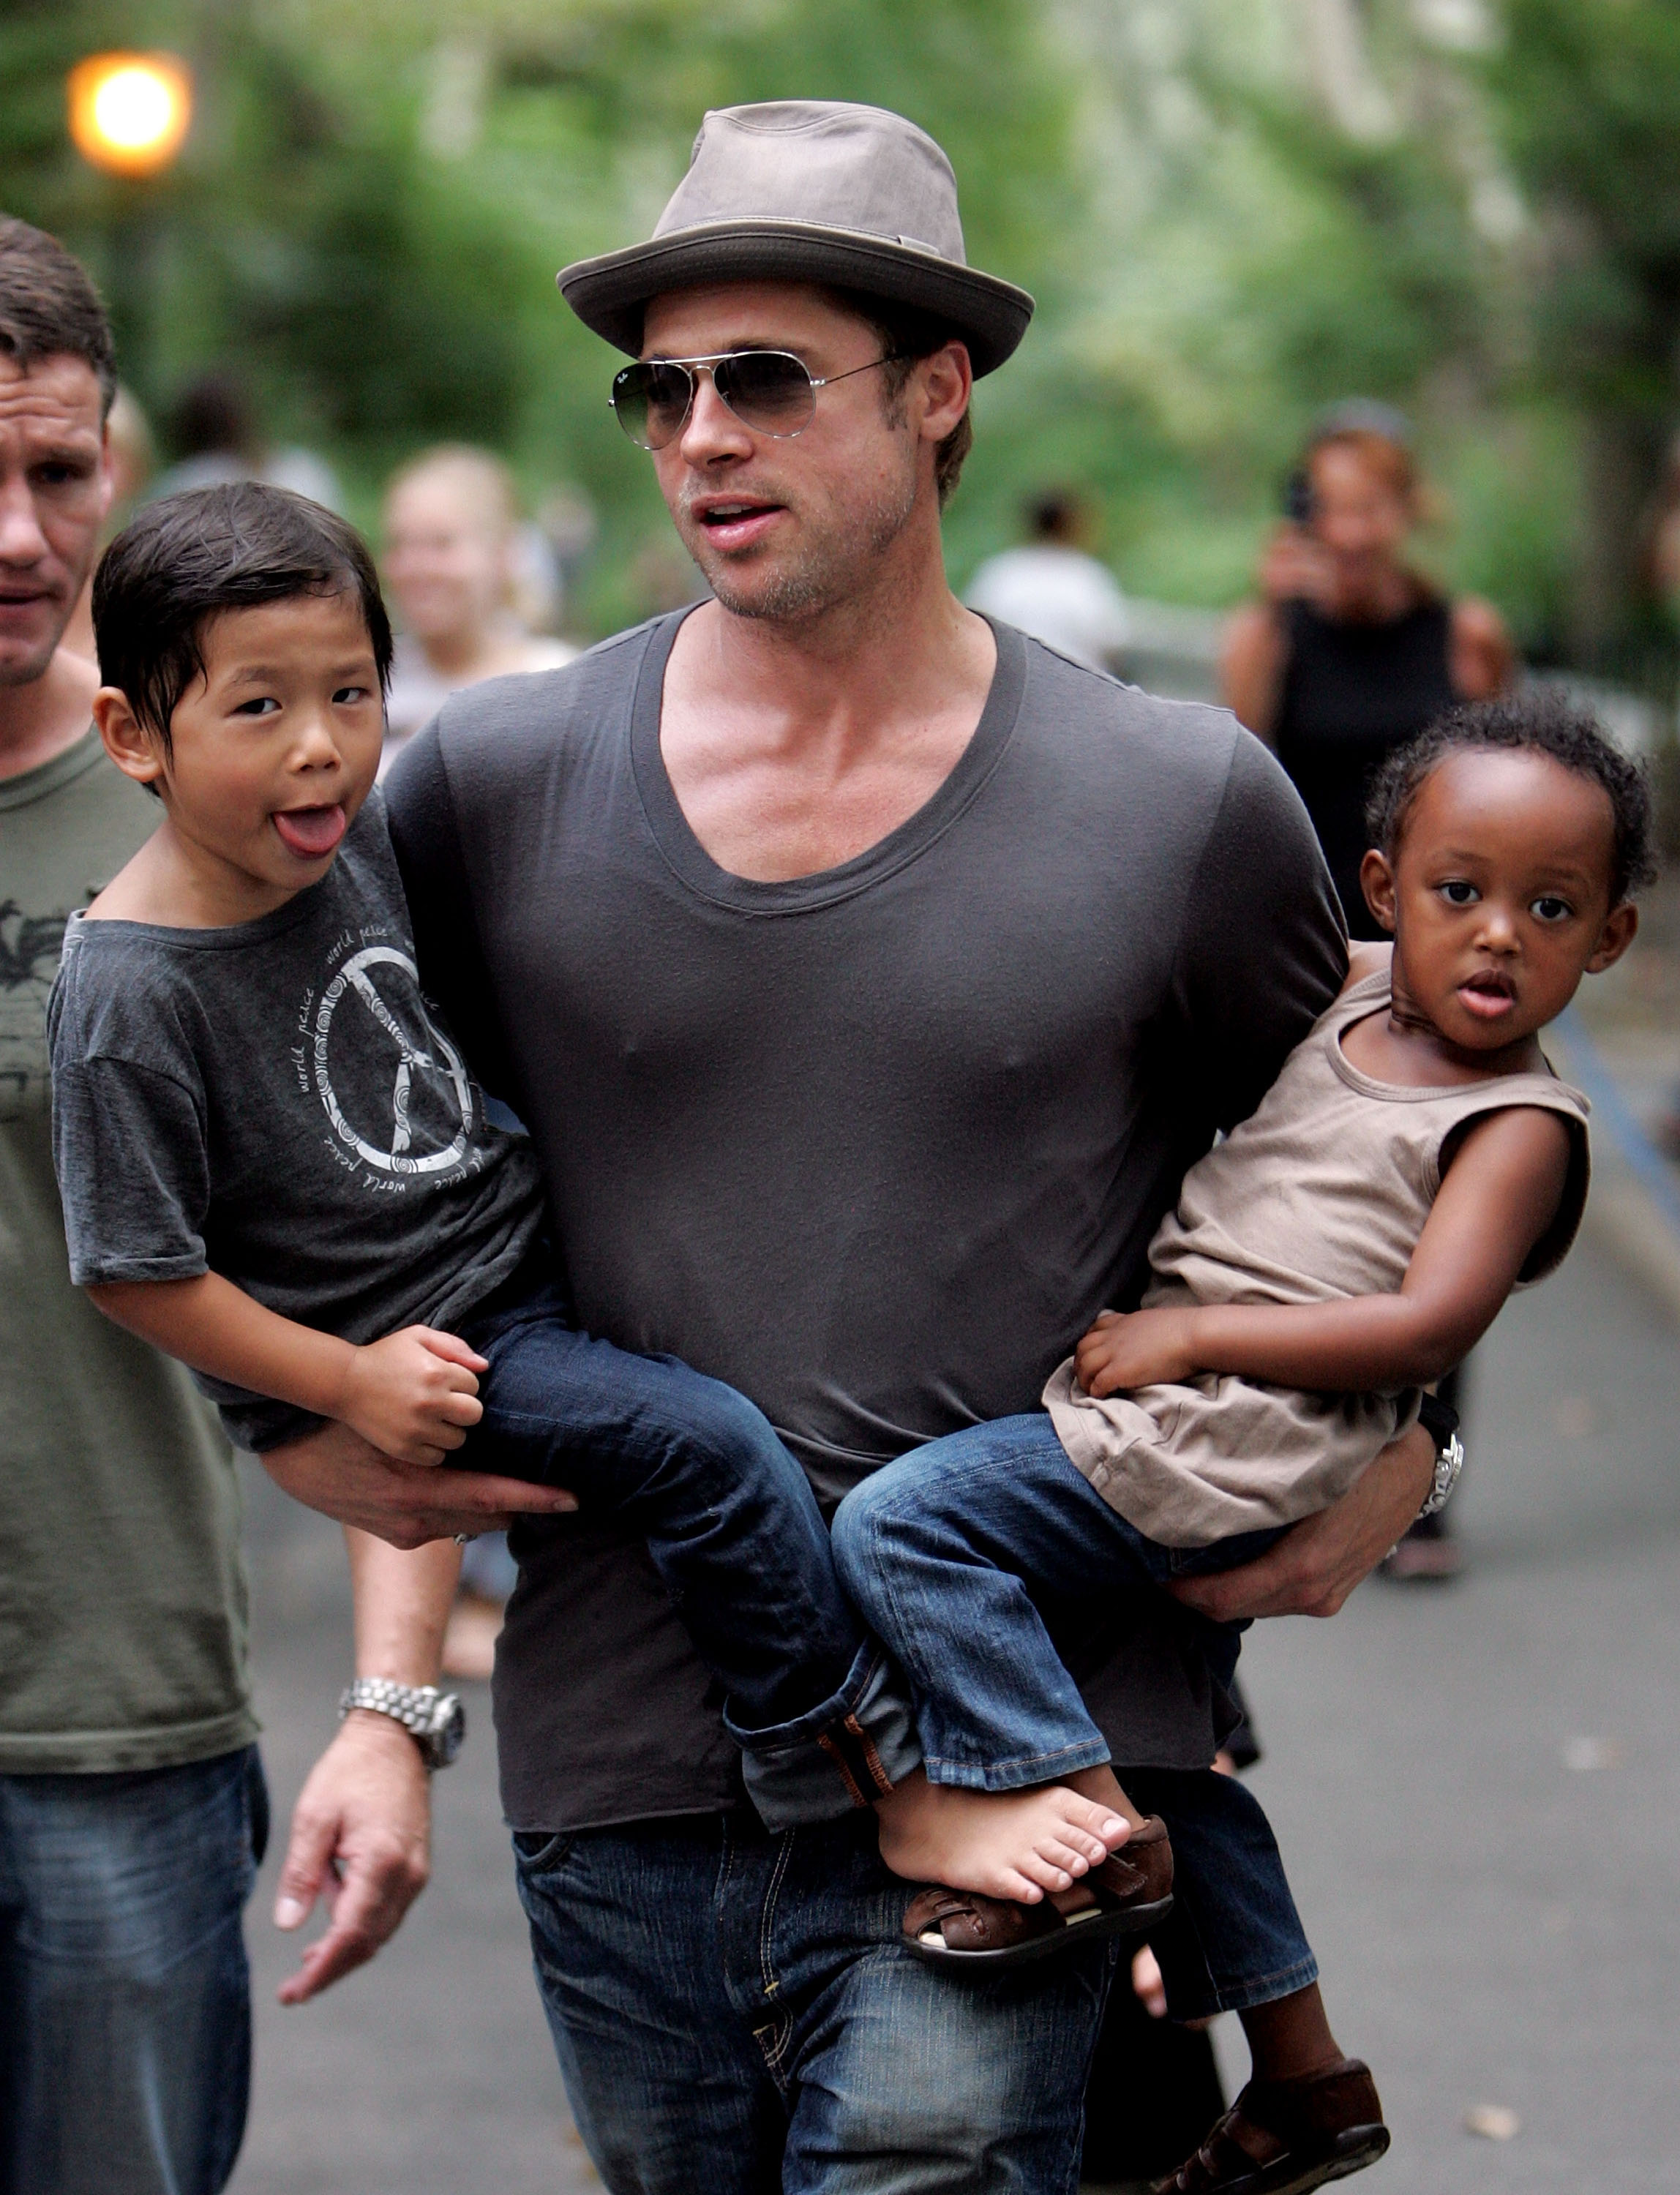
(275,1167)
(1415,1160)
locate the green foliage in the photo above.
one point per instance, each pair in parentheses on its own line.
(1589,98)
(1223,234)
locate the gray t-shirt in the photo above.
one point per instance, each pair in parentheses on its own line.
(122,1595)
(274,1102)
(873,1145)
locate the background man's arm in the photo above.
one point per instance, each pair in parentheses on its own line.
(361,1829)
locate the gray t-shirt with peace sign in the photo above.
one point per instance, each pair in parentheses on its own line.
(276,1103)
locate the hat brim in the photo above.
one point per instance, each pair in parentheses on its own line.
(610,294)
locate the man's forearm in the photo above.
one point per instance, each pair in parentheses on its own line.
(219,1330)
(402,1601)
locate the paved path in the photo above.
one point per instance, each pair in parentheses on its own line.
(1477,1788)
(431,2072)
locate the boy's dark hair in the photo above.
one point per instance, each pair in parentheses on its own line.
(1538,720)
(907,337)
(192,556)
(49,308)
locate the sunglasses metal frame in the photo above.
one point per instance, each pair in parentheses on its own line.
(708,363)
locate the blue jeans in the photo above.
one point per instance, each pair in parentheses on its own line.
(734,2011)
(733,1529)
(955,1554)
(124,1995)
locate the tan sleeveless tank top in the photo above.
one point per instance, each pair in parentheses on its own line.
(1321,1193)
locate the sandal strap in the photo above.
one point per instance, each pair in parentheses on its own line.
(1236,2146)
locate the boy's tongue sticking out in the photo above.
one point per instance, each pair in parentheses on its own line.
(310,832)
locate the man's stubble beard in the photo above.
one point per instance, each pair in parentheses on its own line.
(830,573)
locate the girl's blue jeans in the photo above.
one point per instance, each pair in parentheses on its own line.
(957,1554)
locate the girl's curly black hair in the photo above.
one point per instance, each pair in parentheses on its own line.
(1536,720)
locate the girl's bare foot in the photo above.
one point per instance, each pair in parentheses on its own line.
(1006,1844)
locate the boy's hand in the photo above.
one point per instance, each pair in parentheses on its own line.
(1136,1349)
(413,1394)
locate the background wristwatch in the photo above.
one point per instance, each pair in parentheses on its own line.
(437,1721)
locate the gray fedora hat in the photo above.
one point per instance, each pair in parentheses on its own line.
(809,190)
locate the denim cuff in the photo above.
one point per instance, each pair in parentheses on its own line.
(852,1749)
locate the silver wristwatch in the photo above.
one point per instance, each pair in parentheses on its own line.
(1449,1462)
(437,1721)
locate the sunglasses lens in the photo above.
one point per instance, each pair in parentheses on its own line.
(651,401)
(768,390)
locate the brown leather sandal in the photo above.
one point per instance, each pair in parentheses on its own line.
(1287,2137)
(961,1931)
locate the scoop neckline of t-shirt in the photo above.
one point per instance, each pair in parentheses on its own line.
(1400,1092)
(224,936)
(694,866)
(84,753)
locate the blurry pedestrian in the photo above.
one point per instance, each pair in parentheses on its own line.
(130,456)
(215,432)
(132,1809)
(1351,653)
(453,560)
(1053,587)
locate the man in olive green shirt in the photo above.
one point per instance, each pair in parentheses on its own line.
(131,1802)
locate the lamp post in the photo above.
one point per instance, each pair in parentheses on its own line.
(129,114)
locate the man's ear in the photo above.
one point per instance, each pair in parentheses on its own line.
(138,754)
(1620,925)
(1377,882)
(948,380)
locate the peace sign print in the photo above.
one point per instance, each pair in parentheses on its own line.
(410,1092)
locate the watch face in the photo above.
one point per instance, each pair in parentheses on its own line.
(447,1729)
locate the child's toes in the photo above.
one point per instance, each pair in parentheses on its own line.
(1057,1853)
(1049,1873)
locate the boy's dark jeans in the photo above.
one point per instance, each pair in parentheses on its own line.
(732,1527)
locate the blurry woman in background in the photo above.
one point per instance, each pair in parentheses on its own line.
(457,563)
(1351,652)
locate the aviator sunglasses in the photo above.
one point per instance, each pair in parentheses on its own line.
(771,391)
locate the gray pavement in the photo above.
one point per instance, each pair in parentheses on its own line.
(1476,1787)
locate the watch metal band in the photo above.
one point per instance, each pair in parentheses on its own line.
(434,1720)
(1449,1462)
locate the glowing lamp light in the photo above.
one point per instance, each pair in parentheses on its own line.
(130,112)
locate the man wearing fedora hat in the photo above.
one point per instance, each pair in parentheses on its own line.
(868,976)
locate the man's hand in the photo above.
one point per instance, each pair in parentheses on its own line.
(1136,1349)
(405,1504)
(361,1842)
(1315,1567)
(413,1394)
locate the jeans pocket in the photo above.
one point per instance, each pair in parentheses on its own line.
(257,1808)
(540,1851)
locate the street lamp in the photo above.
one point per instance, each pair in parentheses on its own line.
(129,118)
(130,112)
